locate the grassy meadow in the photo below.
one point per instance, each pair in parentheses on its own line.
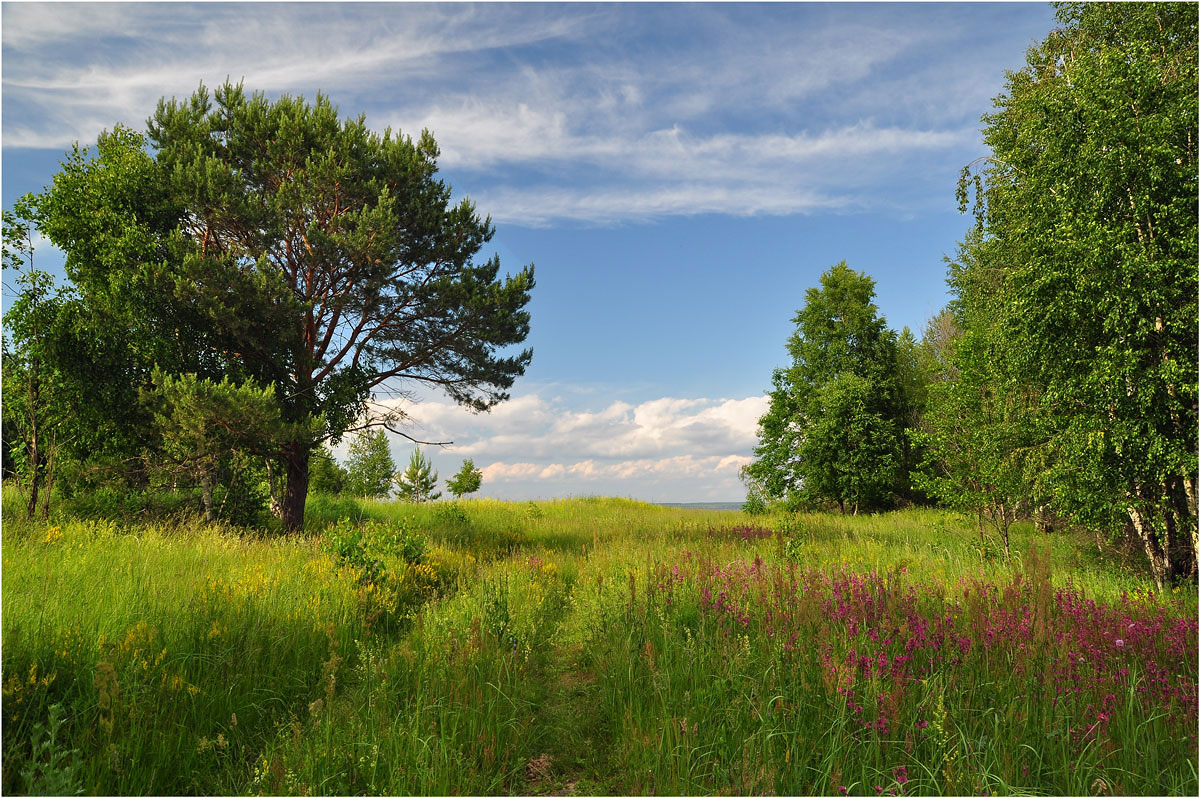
(588,646)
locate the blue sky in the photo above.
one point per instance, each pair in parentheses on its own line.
(679,174)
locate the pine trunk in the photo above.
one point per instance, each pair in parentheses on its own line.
(295,458)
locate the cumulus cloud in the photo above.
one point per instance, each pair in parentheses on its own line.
(669,448)
(591,470)
(534,427)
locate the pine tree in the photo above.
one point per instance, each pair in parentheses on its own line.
(417,482)
(273,240)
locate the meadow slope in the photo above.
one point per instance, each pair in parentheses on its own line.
(588,646)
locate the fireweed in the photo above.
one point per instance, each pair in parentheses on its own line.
(894,685)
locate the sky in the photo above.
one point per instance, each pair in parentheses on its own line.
(679,175)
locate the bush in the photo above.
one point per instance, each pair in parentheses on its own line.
(124,504)
(366,545)
(244,500)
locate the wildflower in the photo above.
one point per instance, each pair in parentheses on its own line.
(900,774)
(1120,643)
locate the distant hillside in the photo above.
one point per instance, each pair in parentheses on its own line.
(703,505)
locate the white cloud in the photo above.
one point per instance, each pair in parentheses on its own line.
(670,448)
(590,471)
(81,68)
(531,427)
(585,113)
(540,206)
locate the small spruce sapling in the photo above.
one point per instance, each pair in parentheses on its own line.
(417,482)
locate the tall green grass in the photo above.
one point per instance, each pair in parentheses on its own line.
(526,652)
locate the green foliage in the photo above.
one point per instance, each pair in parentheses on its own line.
(467,480)
(367,545)
(417,482)
(249,239)
(36,409)
(1090,197)
(850,452)
(51,769)
(756,503)
(832,431)
(204,424)
(325,476)
(108,210)
(543,667)
(982,431)
(370,468)
(246,498)
(394,265)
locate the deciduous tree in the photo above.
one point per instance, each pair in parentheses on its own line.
(325,475)
(981,433)
(832,429)
(1091,192)
(467,480)
(370,468)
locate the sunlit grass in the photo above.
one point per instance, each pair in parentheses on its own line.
(529,651)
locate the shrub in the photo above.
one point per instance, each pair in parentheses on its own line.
(366,544)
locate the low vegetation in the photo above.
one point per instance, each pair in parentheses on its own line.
(588,646)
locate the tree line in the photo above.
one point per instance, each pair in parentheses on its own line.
(370,472)
(248,281)
(1061,379)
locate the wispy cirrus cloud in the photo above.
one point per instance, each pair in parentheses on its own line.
(63,61)
(595,114)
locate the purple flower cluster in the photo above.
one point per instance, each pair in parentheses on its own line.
(747,532)
(874,637)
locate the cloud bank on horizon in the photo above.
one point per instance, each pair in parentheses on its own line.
(570,116)
(670,449)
